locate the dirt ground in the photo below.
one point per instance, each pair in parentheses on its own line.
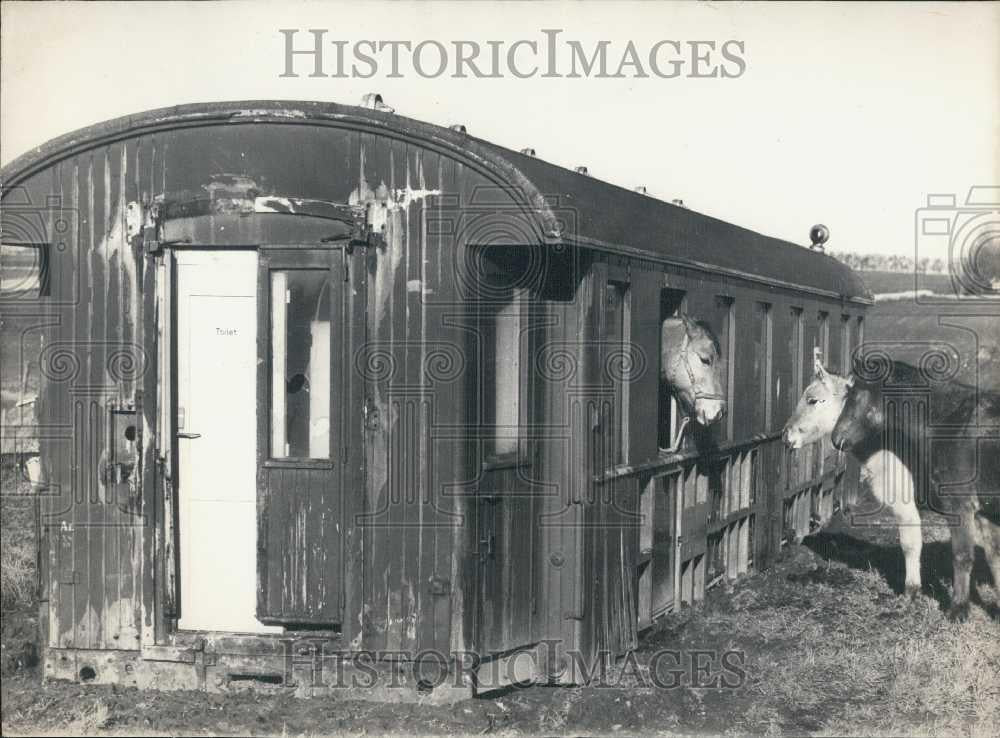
(826,646)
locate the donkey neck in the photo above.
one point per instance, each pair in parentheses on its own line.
(879,429)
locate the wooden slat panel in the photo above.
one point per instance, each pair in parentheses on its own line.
(300,511)
(303,546)
(59,465)
(83,462)
(448,458)
(94,387)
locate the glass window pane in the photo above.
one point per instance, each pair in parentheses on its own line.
(300,364)
(23,271)
(506,362)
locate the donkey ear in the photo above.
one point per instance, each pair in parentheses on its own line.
(818,371)
(857,364)
(674,331)
(850,380)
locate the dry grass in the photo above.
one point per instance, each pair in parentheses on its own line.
(17,573)
(93,718)
(942,681)
(17,540)
(857,659)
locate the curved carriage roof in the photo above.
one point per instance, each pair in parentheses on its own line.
(604,215)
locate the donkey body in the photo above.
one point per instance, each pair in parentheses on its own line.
(864,428)
(884,475)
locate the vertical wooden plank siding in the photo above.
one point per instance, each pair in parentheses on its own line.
(590,533)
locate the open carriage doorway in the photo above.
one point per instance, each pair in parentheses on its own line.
(260,408)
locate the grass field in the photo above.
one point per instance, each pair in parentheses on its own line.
(828,644)
(891,282)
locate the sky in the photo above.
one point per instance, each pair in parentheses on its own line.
(845,114)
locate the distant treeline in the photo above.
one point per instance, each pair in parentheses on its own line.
(890,263)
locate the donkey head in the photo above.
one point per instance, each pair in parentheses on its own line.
(691,366)
(860,417)
(818,408)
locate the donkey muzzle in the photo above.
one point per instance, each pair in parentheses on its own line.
(709,411)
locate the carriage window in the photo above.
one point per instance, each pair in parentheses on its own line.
(501,334)
(618,335)
(672,304)
(24,271)
(823,336)
(859,334)
(762,364)
(300,364)
(845,344)
(796,349)
(727,306)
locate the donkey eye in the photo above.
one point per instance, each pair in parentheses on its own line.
(705,361)
(812,400)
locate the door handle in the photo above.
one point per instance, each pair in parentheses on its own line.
(184,434)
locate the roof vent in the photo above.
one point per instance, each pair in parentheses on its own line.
(819,234)
(582,170)
(528,151)
(373,101)
(459,127)
(678,202)
(641,189)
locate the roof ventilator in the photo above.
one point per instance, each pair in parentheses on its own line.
(373,101)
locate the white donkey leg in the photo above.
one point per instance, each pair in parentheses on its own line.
(892,485)
(911,541)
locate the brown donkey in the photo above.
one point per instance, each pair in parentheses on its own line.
(867,430)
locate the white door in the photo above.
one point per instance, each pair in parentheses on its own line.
(216,445)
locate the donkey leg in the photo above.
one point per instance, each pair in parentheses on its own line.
(963,552)
(892,484)
(989,539)
(911,540)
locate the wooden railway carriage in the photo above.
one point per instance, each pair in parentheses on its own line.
(324,375)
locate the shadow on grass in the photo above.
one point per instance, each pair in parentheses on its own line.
(936,571)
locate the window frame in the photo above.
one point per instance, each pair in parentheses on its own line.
(728,302)
(621,385)
(823,336)
(799,364)
(523,294)
(845,344)
(666,402)
(44,261)
(765,398)
(283,259)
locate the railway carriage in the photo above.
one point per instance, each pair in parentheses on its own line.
(320,381)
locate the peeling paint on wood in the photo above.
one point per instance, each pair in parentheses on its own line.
(382,543)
